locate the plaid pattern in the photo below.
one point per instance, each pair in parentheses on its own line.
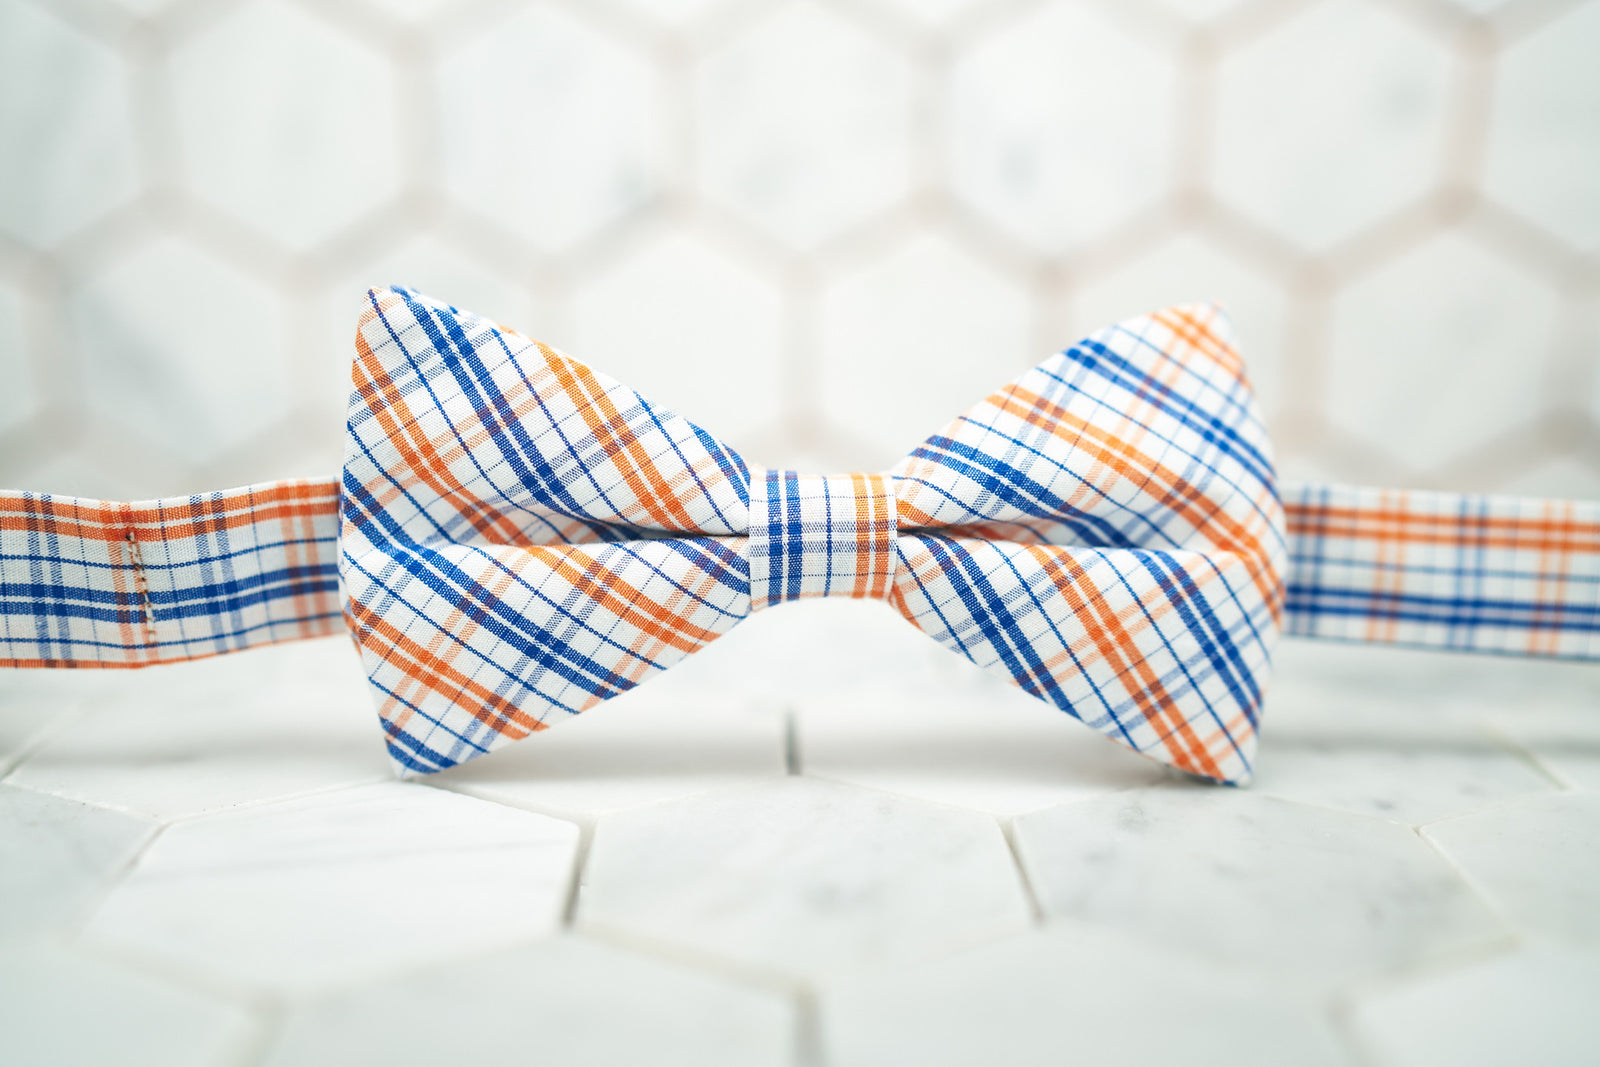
(523,537)
(519,538)
(819,536)
(1104,532)
(88,583)
(1472,573)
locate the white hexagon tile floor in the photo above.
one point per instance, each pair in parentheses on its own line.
(821,841)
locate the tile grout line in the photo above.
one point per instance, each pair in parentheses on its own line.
(791,744)
(1035,909)
(580,862)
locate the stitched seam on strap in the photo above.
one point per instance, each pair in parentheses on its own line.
(141,585)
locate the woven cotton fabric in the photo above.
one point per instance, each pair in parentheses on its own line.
(819,535)
(524,537)
(1445,570)
(516,537)
(91,583)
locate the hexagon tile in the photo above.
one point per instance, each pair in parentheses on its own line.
(216,733)
(195,383)
(803,166)
(1331,120)
(690,327)
(69,154)
(285,123)
(801,878)
(58,1007)
(60,857)
(322,892)
(548,127)
(1535,860)
(1533,1007)
(1069,995)
(1207,871)
(1473,322)
(1033,148)
(928,324)
(563,1001)
(1544,158)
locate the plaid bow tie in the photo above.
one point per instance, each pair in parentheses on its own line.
(518,537)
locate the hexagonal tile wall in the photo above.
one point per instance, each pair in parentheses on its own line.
(928,324)
(345,886)
(284,123)
(568,1000)
(1468,310)
(1331,121)
(1190,268)
(20,397)
(70,154)
(800,878)
(1382,898)
(548,126)
(1543,158)
(792,203)
(803,167)
(1034,149)
(691,327)
(160,377)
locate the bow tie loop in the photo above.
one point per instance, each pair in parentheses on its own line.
(820,535)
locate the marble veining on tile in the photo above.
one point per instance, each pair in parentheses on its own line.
(57,857)
(1536,860)
(340,887)
(1533,1006)
(1071,994)
(61,1007)
(563,1001)
(801,877)
(214,733)
(1305,895)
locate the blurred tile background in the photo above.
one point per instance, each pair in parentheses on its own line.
(818,228)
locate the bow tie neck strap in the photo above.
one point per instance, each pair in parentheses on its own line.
(820,535)
(99,583)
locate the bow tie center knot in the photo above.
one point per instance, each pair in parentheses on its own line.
(820,535)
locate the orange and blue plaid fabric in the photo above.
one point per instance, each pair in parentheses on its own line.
(516,537)
(88,583)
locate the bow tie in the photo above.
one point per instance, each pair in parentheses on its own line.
(518,537)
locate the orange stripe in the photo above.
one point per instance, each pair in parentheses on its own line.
(615,435)
(432,670)
(1120,651)
(1203,514)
